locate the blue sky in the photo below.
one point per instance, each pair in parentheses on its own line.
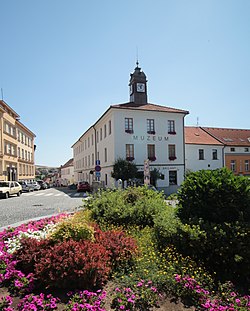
(64,62)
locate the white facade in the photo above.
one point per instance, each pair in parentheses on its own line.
(195,163)
(135,131)
(110,140)
(202,150)
(67,175)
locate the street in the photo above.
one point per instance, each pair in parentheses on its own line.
(37,204)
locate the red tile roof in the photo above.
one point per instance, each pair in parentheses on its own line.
(148,107)
(231,137)
(196,135)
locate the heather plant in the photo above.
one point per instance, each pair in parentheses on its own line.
(143,296)
(5,304)
(86,300)
(224,300)
(39,302)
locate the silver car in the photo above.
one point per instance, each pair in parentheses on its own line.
(35,185)
(26,187)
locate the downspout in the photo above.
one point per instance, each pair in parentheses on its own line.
(95,142)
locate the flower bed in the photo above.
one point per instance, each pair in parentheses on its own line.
(72,254)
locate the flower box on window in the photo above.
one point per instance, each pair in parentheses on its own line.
(151,132)
(152,158)
(129,131)
(172,133)
(130,158)
(172,158)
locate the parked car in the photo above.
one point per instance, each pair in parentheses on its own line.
(83,186)
(72,187)
(35,185)
(8,188)
(26,187)
(42,184)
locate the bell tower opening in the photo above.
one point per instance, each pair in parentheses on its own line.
(138,86)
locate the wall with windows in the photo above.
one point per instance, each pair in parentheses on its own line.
(17,161)
(204,157)
(140,135)
(237,159)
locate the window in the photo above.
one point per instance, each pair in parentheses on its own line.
(109,127)
(247,165)
(171,152)
(171,127)
(88,142)
(105,130)
(151,152)
(214,154)
(106,179)
(150,126)
(246,149)
(100,133)
(105,155)
(93,159)
(232,149)
(129,125)
(130,152)
(92,139)
(172,177)
(97,137)
(233,165)
(201,154)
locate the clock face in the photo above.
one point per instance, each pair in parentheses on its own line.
(140,87)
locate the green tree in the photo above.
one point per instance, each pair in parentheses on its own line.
(215,196)
(124,170)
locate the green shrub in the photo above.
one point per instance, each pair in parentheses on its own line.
(215,196)
(132,206)
(72,229)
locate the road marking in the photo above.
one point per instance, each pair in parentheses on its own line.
(41,193)
(48,194)
(77,194)
(58,194)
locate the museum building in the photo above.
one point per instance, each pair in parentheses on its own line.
(136,131)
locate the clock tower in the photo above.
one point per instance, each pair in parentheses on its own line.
(138,87)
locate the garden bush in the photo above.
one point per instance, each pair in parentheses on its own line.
(122,248)
(72,229)
(132,206)
(72,264)
(215,196)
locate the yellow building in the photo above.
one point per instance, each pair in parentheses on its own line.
(16,146)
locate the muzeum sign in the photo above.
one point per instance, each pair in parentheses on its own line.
(150,138)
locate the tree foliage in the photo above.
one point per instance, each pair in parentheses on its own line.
(215,196)
(124,170)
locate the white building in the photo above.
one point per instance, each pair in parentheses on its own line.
(202,150)
(67,173)
(137,131)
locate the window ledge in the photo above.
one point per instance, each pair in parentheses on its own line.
(172,158)
(130,159)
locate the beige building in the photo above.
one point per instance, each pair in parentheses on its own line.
(16,146)
(67,173)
